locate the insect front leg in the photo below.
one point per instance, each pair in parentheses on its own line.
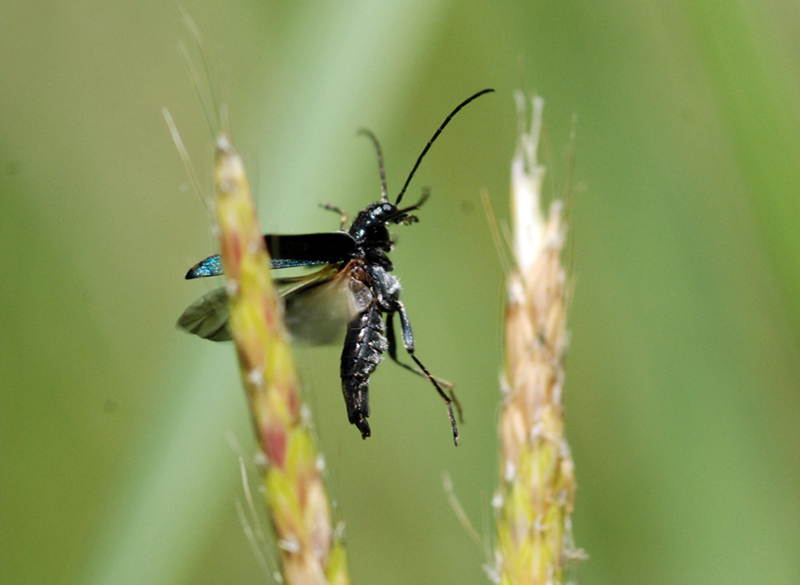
(408,344)
(342,213)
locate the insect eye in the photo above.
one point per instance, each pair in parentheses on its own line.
(387,207)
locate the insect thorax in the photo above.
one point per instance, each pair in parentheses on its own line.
(369,227)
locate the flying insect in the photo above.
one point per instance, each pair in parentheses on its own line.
(354,290)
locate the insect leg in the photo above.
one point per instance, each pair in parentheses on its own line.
(448,386)
(408,344)
(342,213)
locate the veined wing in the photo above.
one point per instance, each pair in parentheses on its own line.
(207,317)
(317,310)
(317,306)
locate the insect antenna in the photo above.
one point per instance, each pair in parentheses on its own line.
(426,193)
(381,169)
(435,136)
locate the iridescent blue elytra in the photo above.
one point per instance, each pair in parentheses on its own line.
(212,266)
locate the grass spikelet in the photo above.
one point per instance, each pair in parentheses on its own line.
(537,485)
(297,503)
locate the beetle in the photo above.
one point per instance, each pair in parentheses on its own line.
(354,289)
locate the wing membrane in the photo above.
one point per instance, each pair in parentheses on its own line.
(317,311)
(317,307)
(207,317)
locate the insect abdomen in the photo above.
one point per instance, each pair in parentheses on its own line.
(364,346)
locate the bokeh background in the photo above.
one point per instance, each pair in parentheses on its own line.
(120,436)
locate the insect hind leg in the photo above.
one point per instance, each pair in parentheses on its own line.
(446,385)
(408,344)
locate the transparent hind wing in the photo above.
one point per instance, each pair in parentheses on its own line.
(317,307)
(207,317)
(317,311)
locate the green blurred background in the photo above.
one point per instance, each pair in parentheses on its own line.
(119,434)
